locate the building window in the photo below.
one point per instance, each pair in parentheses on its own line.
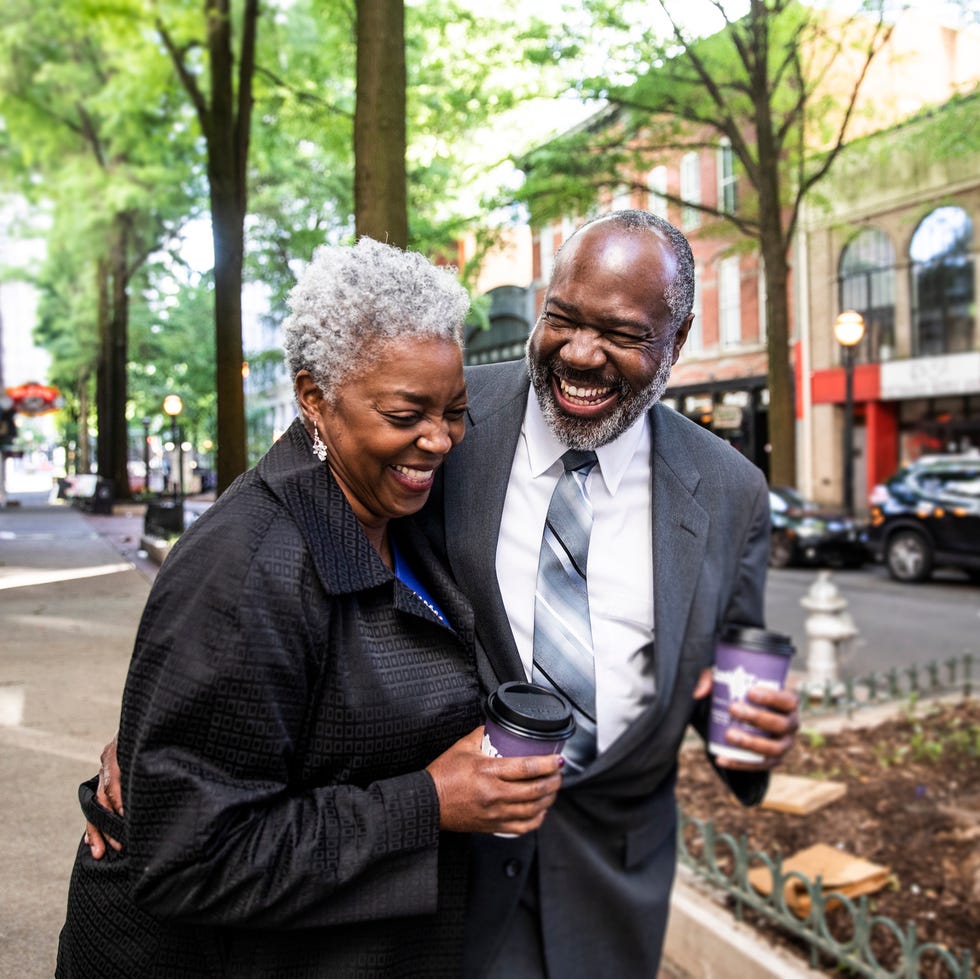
(690,190)
(622,198)
(546,239)
(727,201)
(695,338)
(730,302)
(867,285)
(942,283)
(657,185)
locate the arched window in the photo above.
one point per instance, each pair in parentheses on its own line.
(942,283)
(867,284)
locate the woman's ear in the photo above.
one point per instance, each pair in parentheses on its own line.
(308,394)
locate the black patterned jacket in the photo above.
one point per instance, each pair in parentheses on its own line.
(284,697)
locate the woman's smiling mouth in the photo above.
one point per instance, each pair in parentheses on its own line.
(414,478)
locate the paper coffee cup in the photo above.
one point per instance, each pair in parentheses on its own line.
(745,657)
(526,719)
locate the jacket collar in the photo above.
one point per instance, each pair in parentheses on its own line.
(341,553)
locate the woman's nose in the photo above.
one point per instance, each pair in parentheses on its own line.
(436,438)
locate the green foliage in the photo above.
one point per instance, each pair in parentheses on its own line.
(97,136)
(938,734)
(759,81)
(813,738)
(172,349)
(93,127)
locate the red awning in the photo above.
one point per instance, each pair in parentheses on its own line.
(35,399)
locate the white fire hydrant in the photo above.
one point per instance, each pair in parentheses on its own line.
(828,629)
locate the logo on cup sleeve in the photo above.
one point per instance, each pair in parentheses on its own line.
(740,680)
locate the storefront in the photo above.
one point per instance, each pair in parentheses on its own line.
(736,410)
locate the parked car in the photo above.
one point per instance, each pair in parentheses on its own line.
(804,532)
(928,515)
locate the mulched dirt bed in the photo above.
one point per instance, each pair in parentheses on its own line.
(912,804)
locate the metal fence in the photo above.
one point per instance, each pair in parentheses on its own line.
(725,862)
(927,680)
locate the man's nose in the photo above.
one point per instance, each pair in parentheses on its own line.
(583,349)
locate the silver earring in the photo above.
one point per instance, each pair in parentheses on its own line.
(319,447)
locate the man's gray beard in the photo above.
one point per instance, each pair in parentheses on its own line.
(587,433)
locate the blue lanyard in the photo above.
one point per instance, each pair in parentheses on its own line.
(407,576)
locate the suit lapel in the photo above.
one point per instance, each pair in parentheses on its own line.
(680,535)
(476,477)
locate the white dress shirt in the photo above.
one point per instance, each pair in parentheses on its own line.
(620,576)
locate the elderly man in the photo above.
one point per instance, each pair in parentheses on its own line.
(604,541)
(678,549)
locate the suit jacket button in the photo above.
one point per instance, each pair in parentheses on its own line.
(512,868)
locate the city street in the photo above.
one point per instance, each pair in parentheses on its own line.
(899,624)
(72,587)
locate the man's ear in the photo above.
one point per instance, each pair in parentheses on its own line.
(308,394)
(680,338)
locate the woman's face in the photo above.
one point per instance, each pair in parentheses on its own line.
(393,424)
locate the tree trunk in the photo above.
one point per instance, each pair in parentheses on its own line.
(103,375)
(782,394)
(772,240)
(227,130)
(83,462)
(380,195)
(118,470)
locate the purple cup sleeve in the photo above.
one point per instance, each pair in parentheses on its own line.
(735,671)
(499,742)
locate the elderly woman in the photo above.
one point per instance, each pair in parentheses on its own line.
(299,738)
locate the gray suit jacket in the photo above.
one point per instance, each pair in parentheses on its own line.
(604,858)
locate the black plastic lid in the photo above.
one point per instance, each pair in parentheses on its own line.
(529,706)
(750,637)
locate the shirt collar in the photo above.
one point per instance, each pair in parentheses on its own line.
(544,449)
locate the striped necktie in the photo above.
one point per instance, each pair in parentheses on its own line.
(563,654)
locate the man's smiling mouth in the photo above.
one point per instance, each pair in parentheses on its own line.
(580,394)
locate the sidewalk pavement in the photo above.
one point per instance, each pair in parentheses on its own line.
(70,601)
(72,588)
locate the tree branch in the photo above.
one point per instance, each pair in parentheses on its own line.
(187,78)
(302,96)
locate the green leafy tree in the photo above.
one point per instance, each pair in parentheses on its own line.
(91,130)
(224,36)
(780,83)
(170,351)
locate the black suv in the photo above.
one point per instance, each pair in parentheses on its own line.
(928,515)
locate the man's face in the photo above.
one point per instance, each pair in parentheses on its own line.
(602,350)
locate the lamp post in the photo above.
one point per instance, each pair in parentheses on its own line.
(849,330)
(173,406)
(146,455)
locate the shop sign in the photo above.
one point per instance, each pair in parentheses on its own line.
(727,416)
(35,399)
(925,377)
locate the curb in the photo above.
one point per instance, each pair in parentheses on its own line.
(157,548)
(704,941)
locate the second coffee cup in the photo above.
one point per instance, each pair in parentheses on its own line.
(744,657)
(526,719)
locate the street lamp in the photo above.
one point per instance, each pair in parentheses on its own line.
(849,331)
(173,406)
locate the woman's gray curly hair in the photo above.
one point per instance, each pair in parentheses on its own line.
(350,300)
